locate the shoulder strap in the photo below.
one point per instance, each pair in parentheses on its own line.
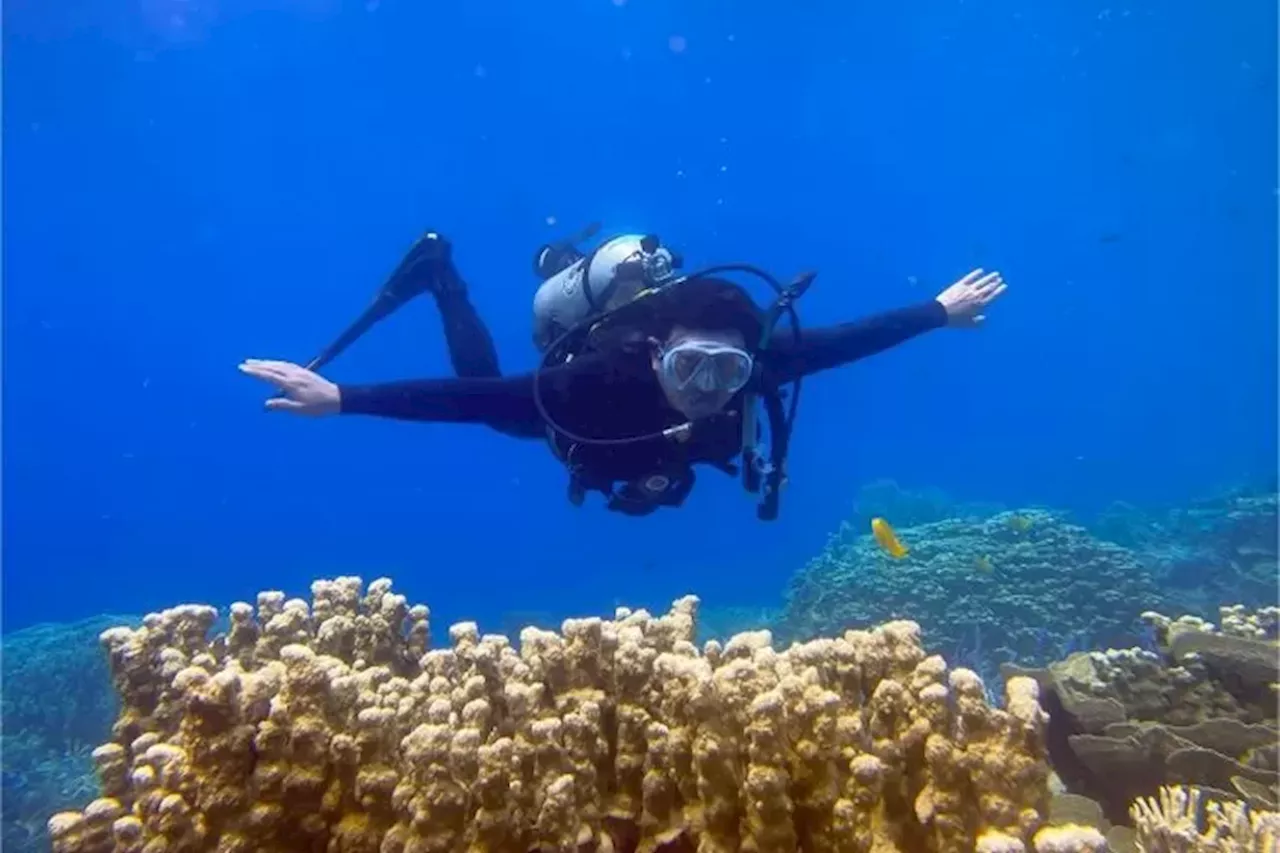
(775,473)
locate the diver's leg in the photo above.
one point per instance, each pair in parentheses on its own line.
(470,345)
(428,267)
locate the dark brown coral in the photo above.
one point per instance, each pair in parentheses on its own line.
(1202,711)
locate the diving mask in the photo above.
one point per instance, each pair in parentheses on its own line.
(707,367)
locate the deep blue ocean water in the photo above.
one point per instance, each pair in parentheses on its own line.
(187,184)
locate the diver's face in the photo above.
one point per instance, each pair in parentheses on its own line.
(698,388)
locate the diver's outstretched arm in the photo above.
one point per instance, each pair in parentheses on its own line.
(505,404)
(497,401)
(961,305)
(831,346)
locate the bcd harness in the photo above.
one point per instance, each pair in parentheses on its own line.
(672,480)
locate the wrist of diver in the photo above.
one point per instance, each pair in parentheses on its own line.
(946,311)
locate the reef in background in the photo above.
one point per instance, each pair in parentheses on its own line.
(1218,549)
(1031,586)
(723,622)
(56,706)
(1026,586)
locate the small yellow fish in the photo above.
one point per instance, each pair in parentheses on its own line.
(887,539)
(983,564)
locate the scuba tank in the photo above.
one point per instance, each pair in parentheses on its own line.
(576,287)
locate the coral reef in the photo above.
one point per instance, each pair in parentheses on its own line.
(1178,819)
(1074,810)
(1201,710)
(63,660)
(1218,549)
(1182,819)
(38,780)
(724,621)
(46,744)
(330,726)
(1024,586)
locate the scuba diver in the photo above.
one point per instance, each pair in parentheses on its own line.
(645,373)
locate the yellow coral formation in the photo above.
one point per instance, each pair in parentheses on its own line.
(1070,838)
(1183,820)
(1237,621)
(330,726)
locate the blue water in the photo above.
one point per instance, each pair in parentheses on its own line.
(191,183)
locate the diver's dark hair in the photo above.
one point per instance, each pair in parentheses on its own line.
(711,304)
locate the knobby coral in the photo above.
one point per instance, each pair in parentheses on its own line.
(330,726)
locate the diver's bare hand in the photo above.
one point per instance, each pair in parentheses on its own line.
(303,392)
(969,297)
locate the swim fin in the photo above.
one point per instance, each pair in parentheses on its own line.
(426,268)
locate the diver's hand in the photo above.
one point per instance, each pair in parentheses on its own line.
(304,392)
(969,297)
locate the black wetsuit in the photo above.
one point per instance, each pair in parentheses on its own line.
(614,396)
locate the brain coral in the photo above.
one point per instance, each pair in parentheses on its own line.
(330,726)
(1026,585)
